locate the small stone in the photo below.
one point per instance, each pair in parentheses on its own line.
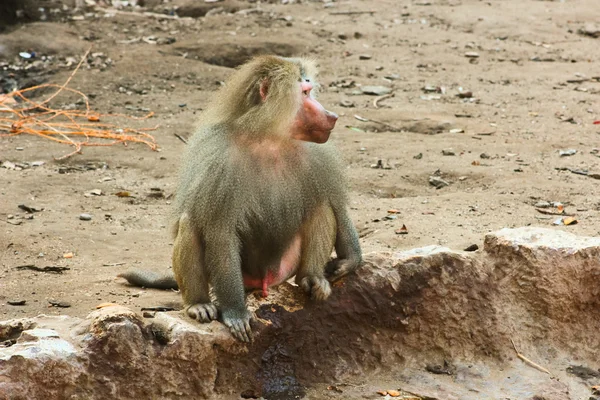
(59,304)
(365,57)
(472,247)
(94,192)
(418,156)
(448,152)
(347,103)
(591,30)
(471,54)
(85,217)
(567,153)
(437,182)
(375,90)
(542,204)
(484,156)
(17,302)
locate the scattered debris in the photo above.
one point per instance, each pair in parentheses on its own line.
(446,369)
(528,361)
(363,119)
(375,90)
(402,231)
(158,308)
(591,30)
(565,221)
(381,98)
(566,153)
(85,217)
(178,136)
(351,12)
(381,165)
(473,247)
(93,192)
(37,118)
(29,209)
(59,304)
(48,269)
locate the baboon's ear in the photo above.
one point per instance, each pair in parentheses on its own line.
(264,89)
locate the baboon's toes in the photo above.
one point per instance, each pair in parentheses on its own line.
(203,312)
(317,286)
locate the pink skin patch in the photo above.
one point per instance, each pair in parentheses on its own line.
(313,122)
(290,261)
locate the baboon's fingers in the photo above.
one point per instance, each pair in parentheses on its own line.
(337,268)
(203,312)
(317,286)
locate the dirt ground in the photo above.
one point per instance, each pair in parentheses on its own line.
(531,67)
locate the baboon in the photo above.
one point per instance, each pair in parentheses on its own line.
(261,198)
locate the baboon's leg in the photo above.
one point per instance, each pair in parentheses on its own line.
(318,239)
(190,272)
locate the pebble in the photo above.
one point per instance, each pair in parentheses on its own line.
(85,217)
(484,156)
(437,182)
(566,153)
(17,302)
(448,152)
(376,90)
(471,54)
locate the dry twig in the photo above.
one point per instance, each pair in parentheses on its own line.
(381,98)
(528,361)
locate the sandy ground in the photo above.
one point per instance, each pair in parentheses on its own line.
(534,79)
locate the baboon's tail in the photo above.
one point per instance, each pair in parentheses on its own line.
(150,279)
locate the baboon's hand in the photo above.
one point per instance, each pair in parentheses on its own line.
(202,312)
(317,286)
(238,325)
(337,268)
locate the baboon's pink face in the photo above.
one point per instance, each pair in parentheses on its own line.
(313,122)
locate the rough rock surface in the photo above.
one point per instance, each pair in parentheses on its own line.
(452,313)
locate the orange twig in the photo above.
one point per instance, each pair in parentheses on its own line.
(64,126)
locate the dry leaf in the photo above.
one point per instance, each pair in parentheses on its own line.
(68,255)
(123,194)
